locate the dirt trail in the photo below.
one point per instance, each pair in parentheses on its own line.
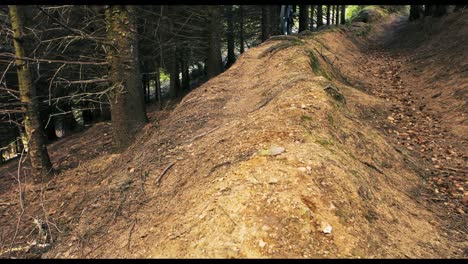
(348,180)
(414,124)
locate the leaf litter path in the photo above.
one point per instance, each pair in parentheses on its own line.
(418,131)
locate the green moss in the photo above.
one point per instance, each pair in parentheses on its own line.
(331,121)
(306,118)
(316,67)
(324,142)
(314,62)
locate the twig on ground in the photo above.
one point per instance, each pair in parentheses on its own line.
(130,233)
(203,134)
(164,172)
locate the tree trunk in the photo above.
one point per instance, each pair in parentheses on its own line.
(266,25)
(337,15)
(173,72)
(343,15)
(303,17)
(185,71)
(319,16)
(428,10)
(126,98)
(415,12)
(37,149)
(312,8)
(214,61)
(231,57)
(241,31)
(157,84)
(328,15)
(332,14)
(274,12)
(440,10)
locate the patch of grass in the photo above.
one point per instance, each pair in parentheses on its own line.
(343,217)
(331,121)
(327,144)
(314,62)
(306,118)
(364,32)
(315,65)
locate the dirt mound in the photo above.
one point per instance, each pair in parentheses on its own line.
(276,157)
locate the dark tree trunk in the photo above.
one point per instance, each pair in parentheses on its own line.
(428,10)
(144,78)
(126,98)
(303,17)
(312,8)
(440,10)
(416,12)
(37,149)
(266,24)
(185,73)
(328,15)
(241,30)
(275,11)
(231,57)
(173,73)
(337,15)
(343,15)
(332,14)
(214,64)
(157,84)
(319,16)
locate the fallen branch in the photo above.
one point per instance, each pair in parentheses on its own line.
(203,134)
(164,172)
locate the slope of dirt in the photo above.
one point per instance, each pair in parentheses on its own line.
(202,181)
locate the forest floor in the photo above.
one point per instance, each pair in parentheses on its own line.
(350,142)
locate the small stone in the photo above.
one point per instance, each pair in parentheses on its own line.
(302,169)
(261,243)
(273,181)
(327,229)
(276,150)
(391,118)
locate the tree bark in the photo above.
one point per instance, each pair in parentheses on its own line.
(343,15)
(37,149)
(126,98)
(319,16)
(231,56)
(214,62)
(303,17)
(328,14)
